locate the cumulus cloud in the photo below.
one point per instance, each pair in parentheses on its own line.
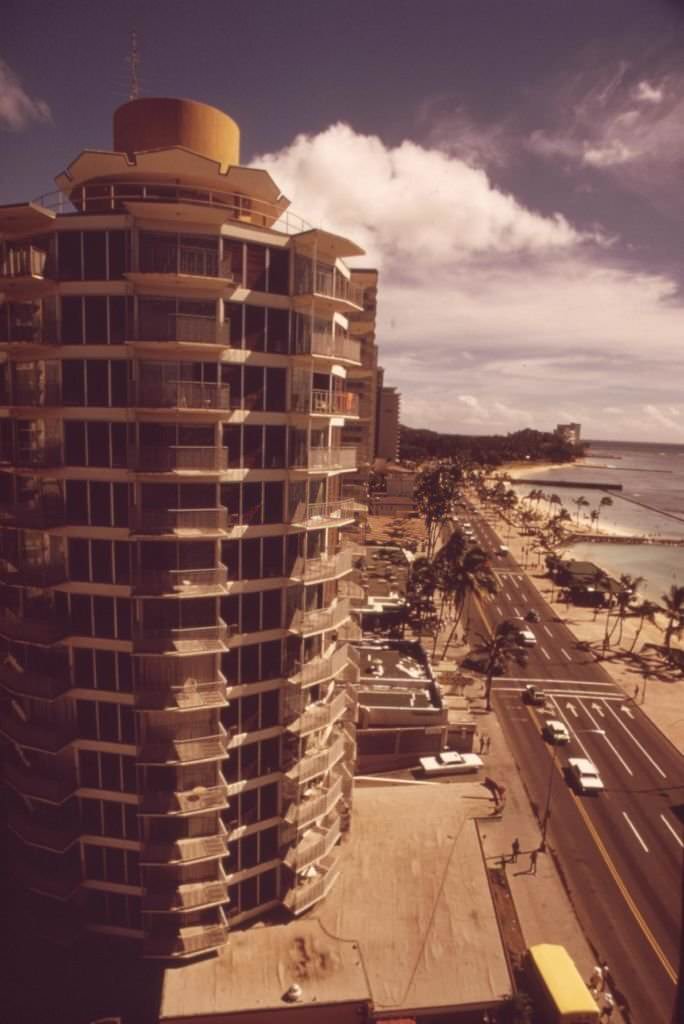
(17,108)
(491,316)
(409,206)
(645,92)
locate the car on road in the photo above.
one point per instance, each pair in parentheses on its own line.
(523,634)
(533,616)
(450,762)
(502,550)
(533,695)
(555,731)
(584,775)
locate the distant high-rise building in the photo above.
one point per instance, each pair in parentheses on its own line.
(389,403)
(177,736)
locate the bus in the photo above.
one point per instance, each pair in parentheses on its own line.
(558,988)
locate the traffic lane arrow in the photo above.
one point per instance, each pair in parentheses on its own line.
(627,711)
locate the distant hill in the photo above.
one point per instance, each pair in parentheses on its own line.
(535,445)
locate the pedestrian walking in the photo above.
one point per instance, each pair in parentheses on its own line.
(596,980)
(482,742)
(605,972)
(533,862)
(488,743)
(608,1006)
(636,691)
(515,850)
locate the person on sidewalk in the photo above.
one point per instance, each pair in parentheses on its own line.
(596,980)
(515,850)
(608,1006)
(533,862)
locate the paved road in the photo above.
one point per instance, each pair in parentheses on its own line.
(621,851)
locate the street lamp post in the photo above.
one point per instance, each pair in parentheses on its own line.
(547,809)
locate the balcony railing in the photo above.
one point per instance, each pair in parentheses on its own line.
(49,836)
(23,261)
(158,672)
(303,720)
(53,790)
(304,894)
(163,520)
(316,459)
(178,458)
(182,638)
(184,751)
(186,897)
(169,581)
(161,258)
(331,284)
(40,457)
(316,619)
(313,845)
(318,669)
(306,811)
(332,346)
(317,763)
(317,513)
(41,515)
(48,630)
(36,735)
(182,802)
(181,394)
(183,327)
(182,851)
(33,684)
(186,942)
(311,570)
(183,698)
(340,403)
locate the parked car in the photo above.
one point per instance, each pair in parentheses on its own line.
(555,731)
(450,762)
(584,774)
(533,695)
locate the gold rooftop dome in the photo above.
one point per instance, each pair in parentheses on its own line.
(161,123)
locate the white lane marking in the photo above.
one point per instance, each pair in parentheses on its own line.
(635,740)
(611,745)
(498,609)
(626,817)
(565,654)
(514,581)
(547,656)
(517,613)
(547,630)
(597,708)
(572,682)
(626,711)
(561,694)
(564,717)
(667,824)
(572,709)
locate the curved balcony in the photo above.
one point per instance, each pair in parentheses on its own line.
(302,719)
(47,836)
(313,515)
(185,802)
(186,897)
(178,459)
(186,697)
(181,639)
(33,684)
(40,516)
(313,845)
(184,851)
(308,891)
(22,267)
(326,567)
(180,581)
(53,790)
(316,460)
(315,620)
(172,520)
(317,805)
(181,328)
(185,750)
(317,763)
(328,287)
(168,266)
(45,631)
(185,942)
(36,735)
(181,396)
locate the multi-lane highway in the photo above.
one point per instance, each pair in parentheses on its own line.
(621,851)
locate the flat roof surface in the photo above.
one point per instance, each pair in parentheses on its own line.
(410,923)
(391,667)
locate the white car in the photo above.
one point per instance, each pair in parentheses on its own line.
(555,731)
(450,762)
(584,775)
(523,634)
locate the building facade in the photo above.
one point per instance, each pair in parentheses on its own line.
(362,380)
(177,722)
(389,403)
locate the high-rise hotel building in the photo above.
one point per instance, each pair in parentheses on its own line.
(176,723)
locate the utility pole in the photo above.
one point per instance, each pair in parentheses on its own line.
(547,809)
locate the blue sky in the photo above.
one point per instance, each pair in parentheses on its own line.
(514,169)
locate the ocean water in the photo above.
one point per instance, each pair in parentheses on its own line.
(650,505)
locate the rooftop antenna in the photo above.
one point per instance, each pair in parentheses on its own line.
(133,61)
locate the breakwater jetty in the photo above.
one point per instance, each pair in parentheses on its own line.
(578,485)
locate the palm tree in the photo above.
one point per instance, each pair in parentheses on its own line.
(624,597)
(673,603)
(462,577)
(647,612)
(581,503)
(605,502)
(420,591)
(499,651)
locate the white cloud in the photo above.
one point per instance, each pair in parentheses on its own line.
(647,93)
(17,108)
(491,317)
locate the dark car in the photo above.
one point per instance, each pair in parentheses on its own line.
(533,616)
(533,695)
